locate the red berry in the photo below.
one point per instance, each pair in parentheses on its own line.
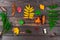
(19,9)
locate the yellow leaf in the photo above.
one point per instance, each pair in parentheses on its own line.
(26,13)
(42,6)
(31,17)
(27,7)
(16,30)
(26,17)
(31,10)
(32,13)
(26,10)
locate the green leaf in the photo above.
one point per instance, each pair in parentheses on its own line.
(37,12)
(53,18)
(6,23)
(53,11)
(52,21)
(7,26)
(53,6)
(52,25)
(21,22)
(53,15)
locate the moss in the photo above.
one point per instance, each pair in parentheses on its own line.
(28,31)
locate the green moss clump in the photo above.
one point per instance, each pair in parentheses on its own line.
(28,31)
